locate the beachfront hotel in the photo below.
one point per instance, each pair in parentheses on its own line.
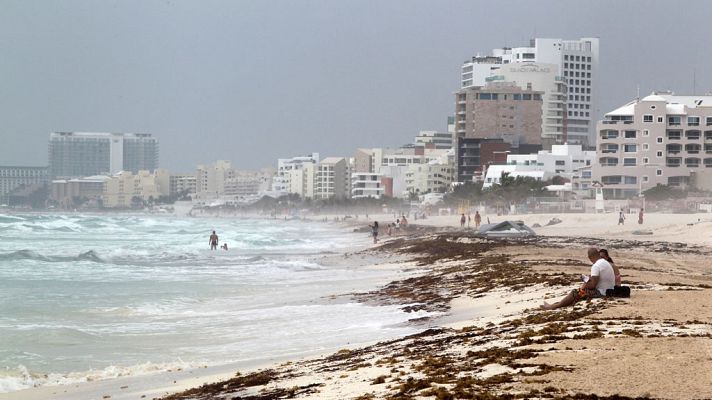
(548,65)
(659,139)
(79,154)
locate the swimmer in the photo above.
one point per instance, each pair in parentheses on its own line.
(213,241)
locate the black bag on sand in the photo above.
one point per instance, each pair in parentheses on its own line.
(618,291)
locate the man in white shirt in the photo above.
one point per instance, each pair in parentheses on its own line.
(602,278)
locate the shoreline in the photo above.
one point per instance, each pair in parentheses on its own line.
(504,314)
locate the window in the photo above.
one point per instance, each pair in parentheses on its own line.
(517,96)
(629,148)
(660,119)
(659,172)
(693,121)
(629,162)
(645,178)
(630,134)
(485,96)
(526,97)
(646,147)
(586,174)
(674,120)
(708,121)
(630,180)
(646,132)
(659,154)
(659,140)
(560,162)
(647,118)
(646,160)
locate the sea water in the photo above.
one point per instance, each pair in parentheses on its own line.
(87,297)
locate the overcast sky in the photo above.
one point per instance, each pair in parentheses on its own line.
(251,81)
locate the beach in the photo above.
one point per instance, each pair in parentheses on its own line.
(483,335)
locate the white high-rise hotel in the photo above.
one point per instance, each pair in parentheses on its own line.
(576,65)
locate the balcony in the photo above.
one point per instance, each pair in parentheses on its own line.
(674,135)
(673,148)
(693,148)
(692,135)
(692,162)
(673,162)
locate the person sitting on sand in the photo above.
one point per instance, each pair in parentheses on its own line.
(602,278)
(616,271)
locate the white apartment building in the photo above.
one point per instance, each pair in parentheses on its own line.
(568,161)
(494,173)
(433,177)
(301,180)
(660,139)
(561,160)
(212,180)
(367,184)
(281,182)
(333,178)
(577,65)
(394,163)
(12,178)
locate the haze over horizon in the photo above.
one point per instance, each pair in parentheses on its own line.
(254,81)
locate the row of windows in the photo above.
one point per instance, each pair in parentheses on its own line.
(579,98)
(576,58)
(505,96)
(582,82)
(578,114)
(578,74)
(580,90)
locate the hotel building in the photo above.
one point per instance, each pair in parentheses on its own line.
(78,154)
(576,63)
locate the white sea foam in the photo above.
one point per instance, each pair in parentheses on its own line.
(95,297)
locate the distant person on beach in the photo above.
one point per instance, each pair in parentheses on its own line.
(621,218)
(478,219)
(224,246)
(602,278)
(616,271)
(374,231)
(462,221)
(213,241)
(404,222)
(468,220)
(640,217)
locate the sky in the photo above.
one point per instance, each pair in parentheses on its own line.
(253,81)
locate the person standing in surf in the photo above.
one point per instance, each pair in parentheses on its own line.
(213,241)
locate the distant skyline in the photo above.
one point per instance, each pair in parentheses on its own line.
(253,81)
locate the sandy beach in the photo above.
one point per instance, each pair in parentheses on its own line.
(489,339)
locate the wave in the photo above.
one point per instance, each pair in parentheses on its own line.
(21,378)
(90,255)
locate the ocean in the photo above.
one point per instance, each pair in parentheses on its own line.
(86,297)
